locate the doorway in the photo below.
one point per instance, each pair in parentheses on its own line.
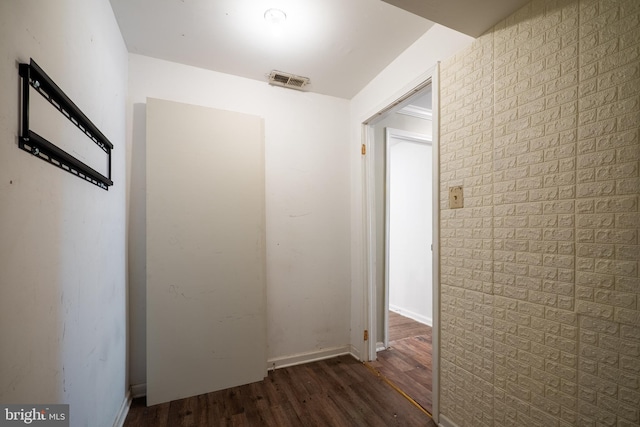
(399,139)
(408,229)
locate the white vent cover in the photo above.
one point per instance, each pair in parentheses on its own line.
(278,78)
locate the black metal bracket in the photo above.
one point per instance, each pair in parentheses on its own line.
(32,75)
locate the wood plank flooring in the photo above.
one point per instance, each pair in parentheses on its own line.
(335,392)
(407,361)
(403,327)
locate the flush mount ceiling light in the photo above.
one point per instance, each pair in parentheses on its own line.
(275,16)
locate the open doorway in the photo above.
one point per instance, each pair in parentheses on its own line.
(408,230)
(402,183)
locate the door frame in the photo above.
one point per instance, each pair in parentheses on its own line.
(406,136)
(431,77)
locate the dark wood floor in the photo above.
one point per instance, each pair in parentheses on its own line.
(407,361)
(401,327)
(334,392)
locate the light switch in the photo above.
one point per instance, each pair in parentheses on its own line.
(456,200)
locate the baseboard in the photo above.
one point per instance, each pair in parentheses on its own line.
(355,352)
(124,410)
(443,421)
(411,315)
(299,359)
(138,390)
(380,346)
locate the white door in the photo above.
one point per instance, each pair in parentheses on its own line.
(206,297)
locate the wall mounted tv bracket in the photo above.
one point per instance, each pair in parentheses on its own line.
(32,75)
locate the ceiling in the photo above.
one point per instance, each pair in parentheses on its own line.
(340,45)
(471,17)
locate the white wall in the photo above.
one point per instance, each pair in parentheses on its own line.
(402,75)
(410,234)
(62,240)
(307,204)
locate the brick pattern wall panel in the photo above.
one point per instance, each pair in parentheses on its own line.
(536,82)
(466,245)
(607,284)
(540,287)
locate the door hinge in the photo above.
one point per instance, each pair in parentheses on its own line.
(366,335)
(364,149)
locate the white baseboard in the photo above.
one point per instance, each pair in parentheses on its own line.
(411,315)
(138,390)
(298,359)
(443,421)
(355,352)
(124,410)
(380,346)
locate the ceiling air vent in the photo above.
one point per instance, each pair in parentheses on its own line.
(278,78)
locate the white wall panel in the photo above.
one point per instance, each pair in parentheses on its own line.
(206,301)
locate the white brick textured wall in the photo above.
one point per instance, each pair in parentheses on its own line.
(540,298)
